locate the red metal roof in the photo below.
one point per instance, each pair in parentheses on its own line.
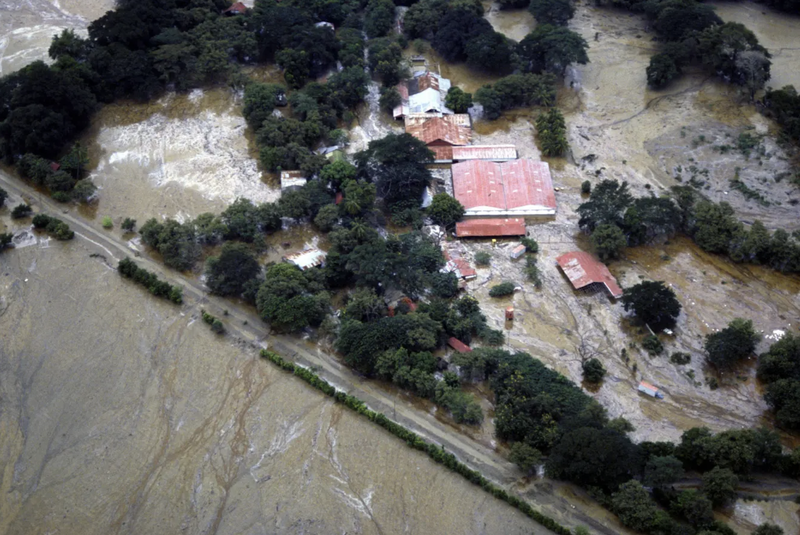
(458,345)
(439,129)
(442,152)
(582,269)
(428,80)
(521,186)
(485,152)
(238,7)
(476,228)
(55,166)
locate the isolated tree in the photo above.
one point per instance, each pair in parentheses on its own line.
(445,210)
(457,28)
(661,70)
(721,47)
(733,343)
(502,289)
(608,241)
(606,205)
(489,51)
(228,273)
(551,130)
(719,484)
(525,456)
(593,371)
(783,397)
(83,190)
(128,224)
(20,211)
(551,48)
(653,303)
(457,100)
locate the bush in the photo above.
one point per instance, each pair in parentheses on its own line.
(20,211)
(483,258)
(458,100)
(107,222)
(60,196)
(503,289)
(128,269)
(653,303)
(586,187)
(128,224)
(653,345)
(525,456)
(733,343)
(680,358)
(608,241)
(531,246)
(214,322)
(532,270)
(593,371)
(552,133)
(53,226)
(445,210)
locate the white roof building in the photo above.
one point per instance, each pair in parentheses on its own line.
(307,259)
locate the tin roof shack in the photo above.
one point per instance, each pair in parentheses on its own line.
(424,93)
(292,179)
(650,390)
(516,188)
(307,259)
(518,251)
(490,228)
(440,134)
(458,345)
(584,271)
(459,266)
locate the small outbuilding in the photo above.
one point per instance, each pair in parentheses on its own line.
(458,345)
(650,390)
(236,9)
(585,271)
(292,179)
(307,259)
(510,314)
(490,228)
(518,251)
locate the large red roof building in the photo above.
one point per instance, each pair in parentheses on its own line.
(516,188)
(490,228)
(584,270)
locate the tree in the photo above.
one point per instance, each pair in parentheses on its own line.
(482,258)
(525,456)
(489,51)
(552,49)
(259,102)
(719,484)
(128,224)
(364,305)
(503,289)
(552,132)
(396,163)
(390,99)
(634,506)
(593,371)
(337,173)
(661,471)
(289,300)
(733,52)
(84,190)
(588,456)
(359,197)
(228,273)
(75,161)
(650,217)
(661,70)
(3,196)
(445,210)
(552,11)
(327,217)
(20,211)
(715,226)
(177,243)
(783,397)
(768,529)
(457,100)
(653,303)
(457,28)
(695,507)
(295,65)
(733,343)
(294,204)
(606,205)
(348,87)
(608,241)
(378,17)
(781,361)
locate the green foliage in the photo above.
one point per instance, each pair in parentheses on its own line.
(768,529)
(107,222)
(739,450)
(5,240)
(259,102)
(84,190)
(228,273)
(327,217)
(593,371)
(608,241)
(385,61)
(364,305)
(552,133)
(455,29)
(635,508)
(653,303)
(586,187)
(337,173)
(733,343)
(359,197)
(531,245)
(445,210)
(532,271)
(444,285)
(396,163)
(552,11)
(482,258)
(390,99)
(652,345)
(351,49)
(719,484)
(128,269)
(378,17)
(128,225)
(606,205)
(732,52)
(515,91)
(661,70)
(213,322)
(551,49)
(457,100)
(176,242)
(784,106)
(662,471)
(525,456)
(503,289)
(53,226)
(290,299)
(680,358)
(20,211)
(3,197)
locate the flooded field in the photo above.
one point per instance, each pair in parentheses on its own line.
(120,413)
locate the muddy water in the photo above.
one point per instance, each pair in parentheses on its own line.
(513,23)
(179,156)
(120,413)
(26,28)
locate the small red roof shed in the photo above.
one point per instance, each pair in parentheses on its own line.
(236,9)
(458,345)
(582,269)
(487,228)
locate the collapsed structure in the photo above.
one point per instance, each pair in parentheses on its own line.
(517,188)
(584,271)
(307,259)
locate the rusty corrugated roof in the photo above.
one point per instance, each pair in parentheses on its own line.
(485,152)
(442,152)
(443,129)
(458,345)
(484,228)
(582,269)
(517,187)
(428,80)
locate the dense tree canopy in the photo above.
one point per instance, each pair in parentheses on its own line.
(551,48)
(653,303)
(733,343)
(228,273)
(396,163)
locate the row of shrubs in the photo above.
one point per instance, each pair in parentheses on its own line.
(53,226)
(437,453)
(214,322)
(128,269)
